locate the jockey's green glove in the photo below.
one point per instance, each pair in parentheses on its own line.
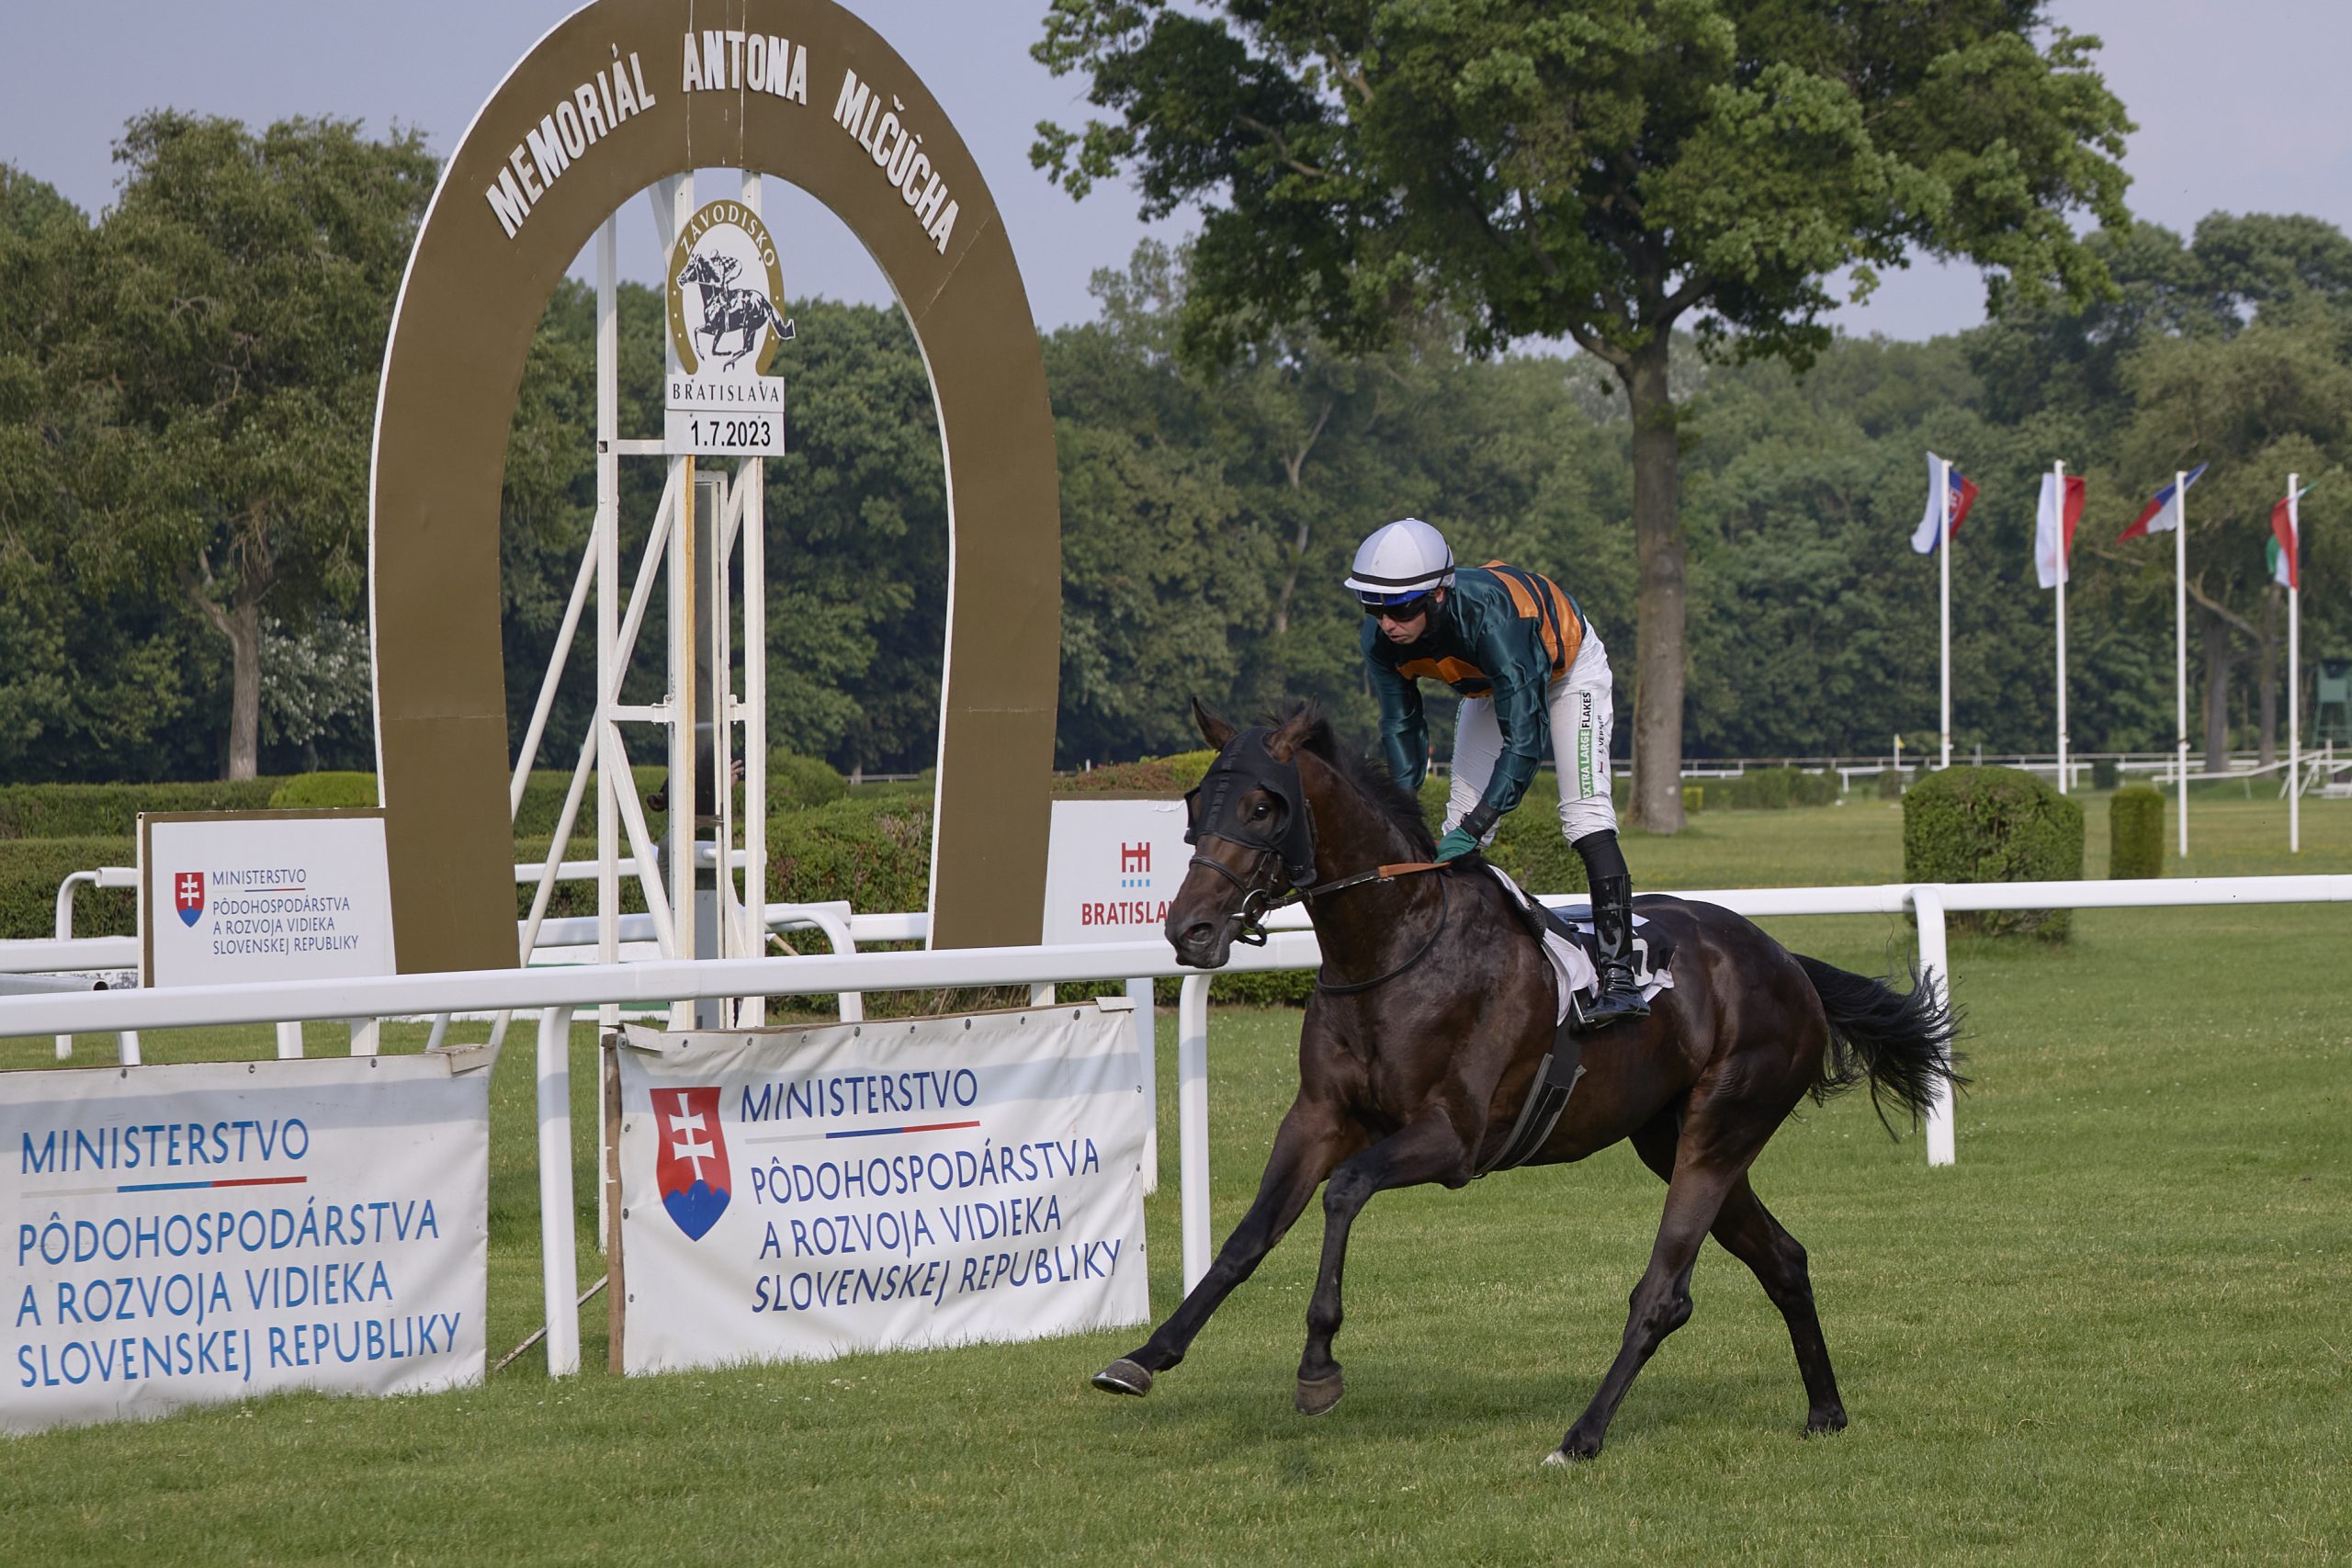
(1453,844)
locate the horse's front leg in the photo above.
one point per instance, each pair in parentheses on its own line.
(1314,1137)
(1430,1147)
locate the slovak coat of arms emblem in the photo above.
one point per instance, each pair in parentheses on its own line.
(691,1170)
(188,896)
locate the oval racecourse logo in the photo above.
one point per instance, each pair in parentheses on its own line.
(725,291)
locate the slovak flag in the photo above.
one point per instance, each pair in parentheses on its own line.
(2162,514)
(2053,529)
(2286,536)
(1948,495)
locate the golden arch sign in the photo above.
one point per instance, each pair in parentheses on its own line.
(619,95)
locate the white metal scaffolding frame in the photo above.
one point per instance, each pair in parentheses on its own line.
(705,595)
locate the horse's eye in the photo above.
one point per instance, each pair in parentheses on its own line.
(1258,809)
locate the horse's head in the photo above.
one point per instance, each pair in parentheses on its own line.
(697,270)
(1252,834)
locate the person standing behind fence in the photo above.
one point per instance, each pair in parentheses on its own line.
(1533,677)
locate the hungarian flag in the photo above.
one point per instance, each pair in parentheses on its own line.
(2053,529)
(2162,514)
(1948,495)
(2283,547)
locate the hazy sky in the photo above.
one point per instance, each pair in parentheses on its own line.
(2237,103)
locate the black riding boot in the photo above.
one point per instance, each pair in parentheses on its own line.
(1612,929)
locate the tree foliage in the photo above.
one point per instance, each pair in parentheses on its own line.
(1209,508)
(1607,172)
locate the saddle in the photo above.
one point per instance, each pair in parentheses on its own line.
(1570,947)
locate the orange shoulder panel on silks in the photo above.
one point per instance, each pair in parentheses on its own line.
(1537,598)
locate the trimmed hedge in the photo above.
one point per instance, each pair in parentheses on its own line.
(325,791)
(1771,789)
(1994,825)
(2105,773)
(1168,777)
(30,870)
(1892,782)
(2135,826)
(86,811)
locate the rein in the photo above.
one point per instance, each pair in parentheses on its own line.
(1445,907)
(1212,810)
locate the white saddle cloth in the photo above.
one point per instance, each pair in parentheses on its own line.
(1572,965)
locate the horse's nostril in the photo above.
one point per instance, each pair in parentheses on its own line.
(1198,935)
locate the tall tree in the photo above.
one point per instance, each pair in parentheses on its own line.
(1600,172)
(229,317)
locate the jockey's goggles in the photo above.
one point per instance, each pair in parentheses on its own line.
(1398,606)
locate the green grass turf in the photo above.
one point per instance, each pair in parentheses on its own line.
(2118,1331)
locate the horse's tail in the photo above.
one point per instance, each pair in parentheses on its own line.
(1901,1042)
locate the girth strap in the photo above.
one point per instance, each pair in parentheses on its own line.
(1555,1080)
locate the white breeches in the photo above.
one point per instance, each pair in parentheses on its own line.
(1581,718)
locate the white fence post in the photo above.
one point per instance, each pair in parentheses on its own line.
(289,1041)
(559,1264)
(1139,995)
(65,890)
(1935,970)
(1193,1122)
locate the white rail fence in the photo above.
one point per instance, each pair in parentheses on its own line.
(558,992)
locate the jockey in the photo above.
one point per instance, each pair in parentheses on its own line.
(1534,680)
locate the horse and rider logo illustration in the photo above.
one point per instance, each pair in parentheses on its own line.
(727,258)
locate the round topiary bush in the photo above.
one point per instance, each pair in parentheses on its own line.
(2135,832)
(1890,782)
(796,783)
(1994,825)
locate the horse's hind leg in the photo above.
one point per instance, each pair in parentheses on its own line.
(1314,1137)
(1749,1232)
(1711,1155)
(1428,1148)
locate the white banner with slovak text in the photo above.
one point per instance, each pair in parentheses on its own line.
(190,1233)
(792,1194)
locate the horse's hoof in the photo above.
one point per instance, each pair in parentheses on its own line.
(1823,1423)
(1318,1395)
(1124,1376)
(1559,1457)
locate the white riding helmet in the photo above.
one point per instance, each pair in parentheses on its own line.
(1401,560)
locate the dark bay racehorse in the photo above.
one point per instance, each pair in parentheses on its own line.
(1424,1038)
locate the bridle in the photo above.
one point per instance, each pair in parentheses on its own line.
(1285,870)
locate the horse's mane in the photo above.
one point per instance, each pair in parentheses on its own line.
(1369,775)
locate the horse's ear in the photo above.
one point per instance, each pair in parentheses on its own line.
(1214,729)
(1284,743)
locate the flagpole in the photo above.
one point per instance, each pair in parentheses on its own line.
(1944,556)
(2059,469)
(2180,644)
(2294,671)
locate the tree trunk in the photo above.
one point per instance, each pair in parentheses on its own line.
(241,624)
(2217,694)
(1657,628)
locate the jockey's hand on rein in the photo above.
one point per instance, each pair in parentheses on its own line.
(1454,844)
